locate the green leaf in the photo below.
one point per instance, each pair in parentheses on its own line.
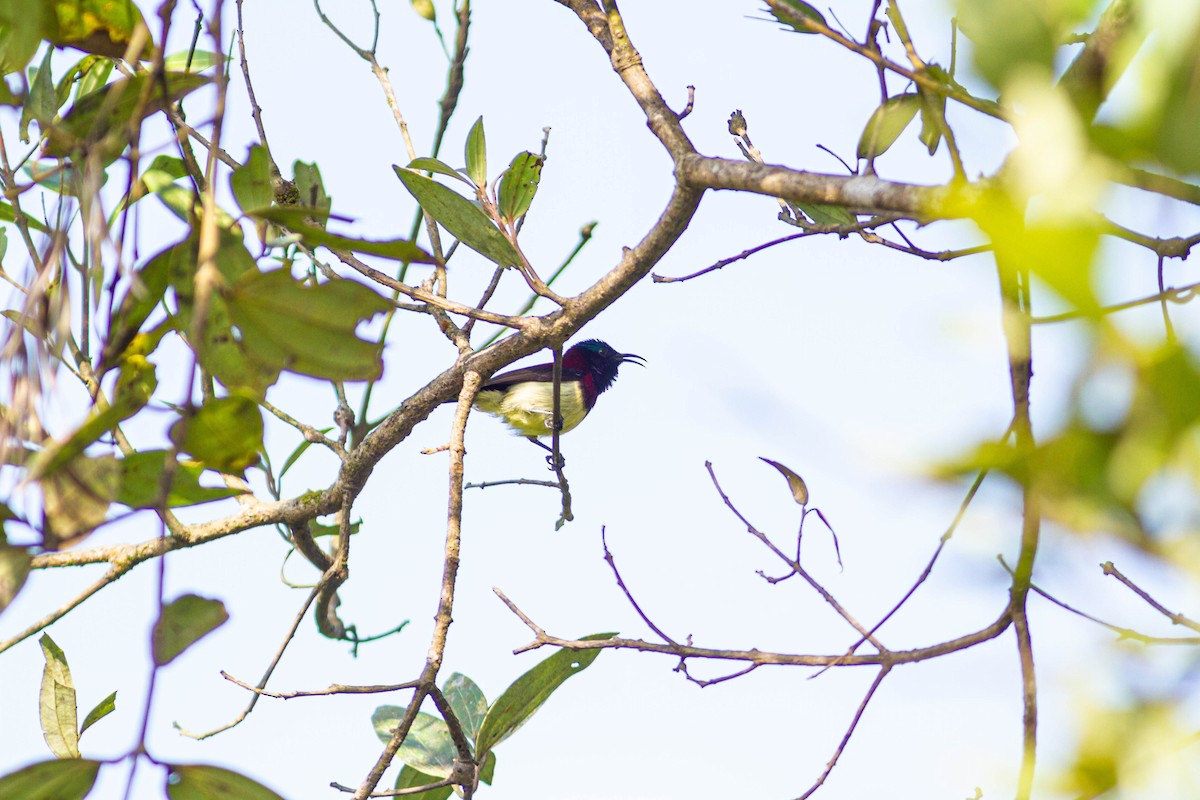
(795,482)
(110,109)
(182,623)
(145,292)
(794,13)
(527,693)
(61,779)
(461,217)
(75,499)
(300,220)
(56,702)
(200,60)
(141,482)
(42,103)
(440,167)
(102,710)
(97,26)
(14,569)
(225,434)
(476,153)
(519,184)
(428,746)
(203,782)
(22,25)
(488,771)
(467,702)
(8,214)
(886,124)
(308,329)
(93,74)
(311,190)
(299,451)
(410,778)
(1012,37)
(827,215)
(251,182)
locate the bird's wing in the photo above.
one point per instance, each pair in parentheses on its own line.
(541,372)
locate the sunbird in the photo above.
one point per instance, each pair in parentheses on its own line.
(524,398)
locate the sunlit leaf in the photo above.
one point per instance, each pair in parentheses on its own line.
(182,623)
(56,702)
(525,696)
(461,217)
(203,782)
(60,779)
(98,26)
(224,434)
(22,27)
(192,61)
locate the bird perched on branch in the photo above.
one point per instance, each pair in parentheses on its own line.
(524,398)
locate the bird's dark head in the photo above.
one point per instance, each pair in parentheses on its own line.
(599,360)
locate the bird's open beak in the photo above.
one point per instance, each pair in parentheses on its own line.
(632,359)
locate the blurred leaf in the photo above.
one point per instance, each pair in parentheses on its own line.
(440,167)
(933,110)
(476,154)
(410,778)
(62,178)
(141,482)
(467,702)
(794,13)
(1018,36)
(134,388)
(22,25)
(75,499)
(300,220)
(886,124)
(14,569)
(519,184)
(251,182)
(823,214)
(93,73)
(428,747)
(308,329)
(104,27)
(461,217)
(41,105)
(203,782)
(102,710)
(117,102)
(794,481)
(200,61)
(426,10)
(525,696)
(56,702)
(61,779)
(145,292)
(8,214)
(311,191)
(1171,133)
(183,622)
(225,434)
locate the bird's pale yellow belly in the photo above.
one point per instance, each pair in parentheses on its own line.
(528,408)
